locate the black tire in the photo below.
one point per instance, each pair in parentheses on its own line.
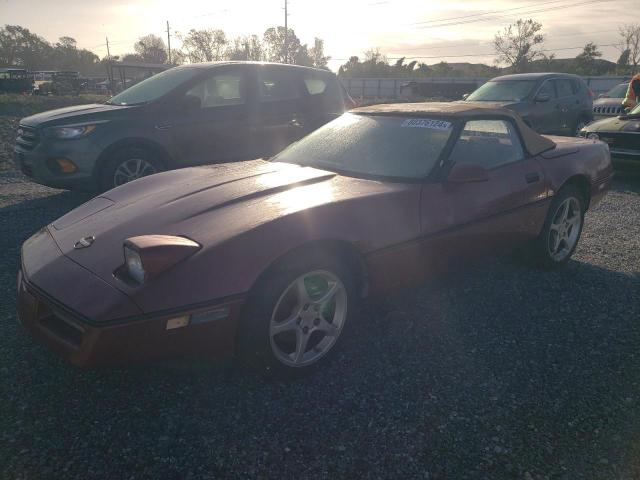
(108,179)
(255,349)
(542,246)
(580,124)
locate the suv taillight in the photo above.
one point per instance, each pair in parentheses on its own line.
(590,93)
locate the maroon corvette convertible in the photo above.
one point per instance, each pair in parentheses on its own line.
(268,259)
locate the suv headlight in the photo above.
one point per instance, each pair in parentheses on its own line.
(69,132)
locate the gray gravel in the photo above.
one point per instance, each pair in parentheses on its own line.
(495,372)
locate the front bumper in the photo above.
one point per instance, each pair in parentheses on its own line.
(36,162)
(87,345)
(90,323)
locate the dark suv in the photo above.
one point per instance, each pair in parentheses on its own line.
(551,103)
(188,115)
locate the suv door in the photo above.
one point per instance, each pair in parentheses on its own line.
(212,121)
(545,116)
(279,105)
(569,104)
(466,219)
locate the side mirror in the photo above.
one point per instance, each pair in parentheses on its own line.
(543,97)
(190,103)
(467,172)
(464,97)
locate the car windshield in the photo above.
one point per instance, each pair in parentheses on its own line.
(373,145)
(619,91)
(154,87)
(503,91)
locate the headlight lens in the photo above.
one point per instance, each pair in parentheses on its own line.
(71,132)
(593,136)
(134,264)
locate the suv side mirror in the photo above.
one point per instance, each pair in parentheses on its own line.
(190,103)
(464,97)
(467,172)
(543,97)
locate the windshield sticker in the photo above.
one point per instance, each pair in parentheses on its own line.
(426,123)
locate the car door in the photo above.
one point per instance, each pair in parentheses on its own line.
(545,116)
(279,105)
(569,104)
(212,120)
(464,219)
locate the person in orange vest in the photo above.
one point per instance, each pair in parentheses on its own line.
(632,97)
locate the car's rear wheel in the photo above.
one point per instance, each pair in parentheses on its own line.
(580,124)
(128,164)
(297,315)
(562,228)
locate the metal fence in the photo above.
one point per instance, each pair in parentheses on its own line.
(372,88)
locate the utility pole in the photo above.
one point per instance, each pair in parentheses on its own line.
(286,34)
(169,42)
(109,69)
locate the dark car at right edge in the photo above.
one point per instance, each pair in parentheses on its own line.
(621,133)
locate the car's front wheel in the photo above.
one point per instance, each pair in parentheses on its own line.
(297,315)
(562,228)
(128,164)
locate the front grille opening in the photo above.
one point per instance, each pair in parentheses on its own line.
(62,329)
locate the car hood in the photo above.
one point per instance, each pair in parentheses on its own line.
(207,204)
(76,113)
(607,102)
(516,106)
(612,124)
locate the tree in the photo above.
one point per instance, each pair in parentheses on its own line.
(630,42)
(586,61)
(516,44)
(246,48)
(317,54)
(19,47)
(207,45)
(273,41)
(151,49)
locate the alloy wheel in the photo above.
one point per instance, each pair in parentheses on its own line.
(564,229)
(132,169)
(308,318)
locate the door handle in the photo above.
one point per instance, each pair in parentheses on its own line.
(164,126)
(532,177)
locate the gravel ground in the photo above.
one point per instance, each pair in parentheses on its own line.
(495,372)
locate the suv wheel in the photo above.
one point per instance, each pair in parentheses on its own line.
(580,124)
(128,164)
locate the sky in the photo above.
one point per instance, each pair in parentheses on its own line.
(427,30)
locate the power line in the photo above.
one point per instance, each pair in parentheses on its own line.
(459,45)
(487,54)
(529,12)
(486,13)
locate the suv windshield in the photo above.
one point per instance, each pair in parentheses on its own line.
(503,91)
(154,87)
(619,91)
(373,145)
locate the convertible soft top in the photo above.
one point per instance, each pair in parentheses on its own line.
(534,143)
